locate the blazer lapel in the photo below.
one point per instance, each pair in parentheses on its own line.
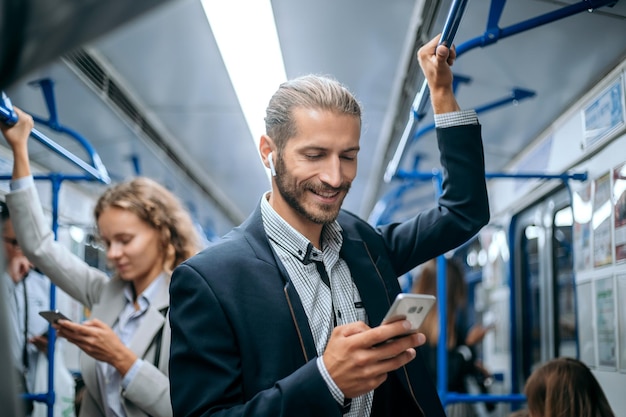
(152,322)
(368,279)
(256,236)
(301,322)
(111,302)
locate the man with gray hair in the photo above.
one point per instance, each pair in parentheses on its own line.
(282,316)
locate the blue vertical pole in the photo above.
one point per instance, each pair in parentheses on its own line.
(442,348)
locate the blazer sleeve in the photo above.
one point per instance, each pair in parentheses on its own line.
(66,270)
(148,393)
(462,209)
(205,363)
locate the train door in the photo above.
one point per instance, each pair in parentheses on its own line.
(544,291)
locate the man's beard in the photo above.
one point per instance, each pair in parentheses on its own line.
(294,194)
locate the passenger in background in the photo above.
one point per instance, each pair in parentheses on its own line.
(28,292)
(460,342)
(565,387)
(282,316)
(146,233)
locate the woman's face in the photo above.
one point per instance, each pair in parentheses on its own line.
(132,246)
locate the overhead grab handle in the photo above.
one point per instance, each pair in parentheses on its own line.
(421,100)
(494,33)
(97,170)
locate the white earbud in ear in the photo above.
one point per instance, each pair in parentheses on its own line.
(270,160)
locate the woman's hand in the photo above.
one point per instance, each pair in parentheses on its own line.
(17,138)
(17,135)
(98,341)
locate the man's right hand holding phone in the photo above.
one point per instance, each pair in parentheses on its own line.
(358,357)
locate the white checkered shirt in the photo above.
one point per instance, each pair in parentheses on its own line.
(298,255)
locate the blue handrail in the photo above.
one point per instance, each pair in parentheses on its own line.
(8,116)
(442,359)
(418,109)
(379,214)
(492,34)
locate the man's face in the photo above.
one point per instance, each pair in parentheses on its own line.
(317,166)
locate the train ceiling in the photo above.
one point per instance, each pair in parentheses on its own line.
(150,92)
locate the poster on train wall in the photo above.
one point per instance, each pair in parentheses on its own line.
(582,210)
(621,321)
(619,198)
(584,317)
(604,115)
(601,222)
(605,323)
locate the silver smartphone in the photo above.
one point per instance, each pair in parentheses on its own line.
(411,307)
(53,316)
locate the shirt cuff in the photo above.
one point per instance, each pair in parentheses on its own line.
(334,389)
(456,118)
(130,375)
(21,183)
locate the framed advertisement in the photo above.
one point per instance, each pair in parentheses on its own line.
(584,317)
(582,211)
(601,222)
(621,321)
(619,211)
(604,115)
(605,323)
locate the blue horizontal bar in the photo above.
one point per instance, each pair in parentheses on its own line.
(99,174)
(577,176)
(416,175)
(491,35)
(494,33)
(453,397)
(55,175)
(42,398)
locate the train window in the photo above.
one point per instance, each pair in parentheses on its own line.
(545,283)
(530,296)
(564,287)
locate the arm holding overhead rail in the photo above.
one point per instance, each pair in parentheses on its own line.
(34,233)
(142,387)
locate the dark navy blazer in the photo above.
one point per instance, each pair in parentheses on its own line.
(241,343)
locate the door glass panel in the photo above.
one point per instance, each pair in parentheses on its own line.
(531,326)
(563,264)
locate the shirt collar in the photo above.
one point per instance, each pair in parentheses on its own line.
(284,235)
(148,295)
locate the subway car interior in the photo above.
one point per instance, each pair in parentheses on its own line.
(176,90)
